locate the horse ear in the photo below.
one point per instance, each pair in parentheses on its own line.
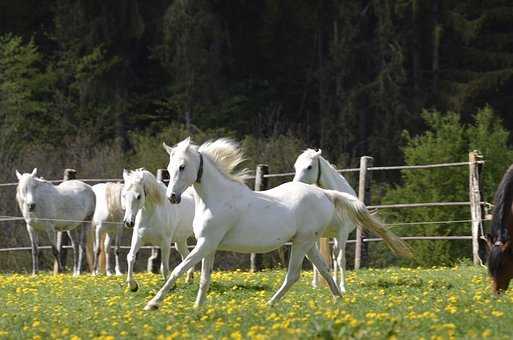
(168,149)
(34,172)
(185,143)
(18,175)
(319,152)
(125,175)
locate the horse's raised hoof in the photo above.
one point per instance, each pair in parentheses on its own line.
(151,306)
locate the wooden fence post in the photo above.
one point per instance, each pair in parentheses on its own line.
(261,184)
(156,256)
(361,249)
(475,201)
(62,238)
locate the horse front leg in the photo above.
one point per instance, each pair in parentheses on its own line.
(203,248)
(165,250)
(75,239)
(108,251)
(206,272)
(130,258)
(315,278)
(52,237)
(117,251)
(34,243)
(181,246)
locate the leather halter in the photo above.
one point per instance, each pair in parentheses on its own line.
(318,171)
(200,169)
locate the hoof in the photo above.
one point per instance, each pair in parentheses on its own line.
(76,274)
(151,306)
(119,274)
(133,288)
(108,273)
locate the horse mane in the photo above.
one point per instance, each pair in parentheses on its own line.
(226,155)
(113,197)
(154,190)
(502,204)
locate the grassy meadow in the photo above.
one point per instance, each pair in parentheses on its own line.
(435,303)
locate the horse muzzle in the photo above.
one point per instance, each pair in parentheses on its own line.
(128,223)
(175,198)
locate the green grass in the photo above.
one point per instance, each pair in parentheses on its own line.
(403,303)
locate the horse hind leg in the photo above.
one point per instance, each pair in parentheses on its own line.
(341,242)
(297,255)
(315,257)
(181,246)
(96,248)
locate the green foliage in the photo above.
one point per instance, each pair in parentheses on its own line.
(24,94)
(447,140)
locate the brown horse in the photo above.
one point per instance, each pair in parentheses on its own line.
(500,259)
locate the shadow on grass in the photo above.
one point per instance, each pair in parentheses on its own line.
(408,282)
(220,288)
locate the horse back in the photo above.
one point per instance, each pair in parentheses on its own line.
(76,198)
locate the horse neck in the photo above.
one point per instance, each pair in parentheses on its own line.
(214,183)
(331,179)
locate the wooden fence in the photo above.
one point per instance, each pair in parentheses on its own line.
(478,208)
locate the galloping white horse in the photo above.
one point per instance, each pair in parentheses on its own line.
(50,208)
(312,168)
(154,220)
(230,216)
(107,219)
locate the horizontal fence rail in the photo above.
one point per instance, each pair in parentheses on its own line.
(262,174)
(285,174)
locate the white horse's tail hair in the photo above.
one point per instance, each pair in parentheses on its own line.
(350,206)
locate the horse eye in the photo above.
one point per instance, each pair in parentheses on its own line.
(138,196)
(181,167)
(309,167)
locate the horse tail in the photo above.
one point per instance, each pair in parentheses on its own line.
(350,206)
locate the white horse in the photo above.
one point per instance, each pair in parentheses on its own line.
(107,220)
(312,168)
(154,220)
(52,208)
(230,216)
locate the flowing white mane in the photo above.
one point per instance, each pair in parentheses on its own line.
(154,191)
(226,155)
